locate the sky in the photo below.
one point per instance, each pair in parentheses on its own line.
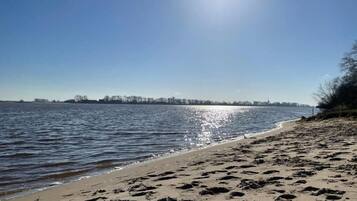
(224,50)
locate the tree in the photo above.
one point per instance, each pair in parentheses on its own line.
(349,62)
(342,91)
(347,90)
(326,94)
(79,98)
(106,98)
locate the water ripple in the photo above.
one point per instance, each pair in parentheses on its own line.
(46,144)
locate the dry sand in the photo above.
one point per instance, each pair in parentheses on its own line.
(302,161)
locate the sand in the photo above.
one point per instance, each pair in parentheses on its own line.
(304,161)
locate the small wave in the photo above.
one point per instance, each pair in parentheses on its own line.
(18,155)
(138,158)
(104,153)
(105,163)
(56,183)
(14,181)
(149,133)
(83,177)
(49,139)
(62,175)
(18,142)
(56,164)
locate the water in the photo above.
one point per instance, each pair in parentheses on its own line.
(47,144)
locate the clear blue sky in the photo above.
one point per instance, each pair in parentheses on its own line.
(221,50)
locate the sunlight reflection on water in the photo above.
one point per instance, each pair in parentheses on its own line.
(41,144)
(211,119)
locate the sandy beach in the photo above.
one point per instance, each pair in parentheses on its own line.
(314,160)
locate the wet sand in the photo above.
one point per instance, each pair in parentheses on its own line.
(314,160)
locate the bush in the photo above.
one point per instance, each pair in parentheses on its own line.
(341,92)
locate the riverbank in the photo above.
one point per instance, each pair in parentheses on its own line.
(301,161)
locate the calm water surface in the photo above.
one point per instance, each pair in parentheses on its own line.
(47,144)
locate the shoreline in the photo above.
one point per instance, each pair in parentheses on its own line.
(279,126)
(305,160)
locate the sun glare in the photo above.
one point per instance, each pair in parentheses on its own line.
(216,11)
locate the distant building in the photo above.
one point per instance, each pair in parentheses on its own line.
(41,100)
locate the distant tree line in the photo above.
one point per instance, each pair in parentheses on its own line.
(341,92)
(174,101)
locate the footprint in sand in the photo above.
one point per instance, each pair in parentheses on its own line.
(228,177)
(97,198)
(271,171)
(304,173)
(167,199)
(235,194)
(214,191)
(247,172)
(118,190)
(247,184)
(285,197)
(247,166)
(185,186)
(165,178)
(298,182)
(140,188)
